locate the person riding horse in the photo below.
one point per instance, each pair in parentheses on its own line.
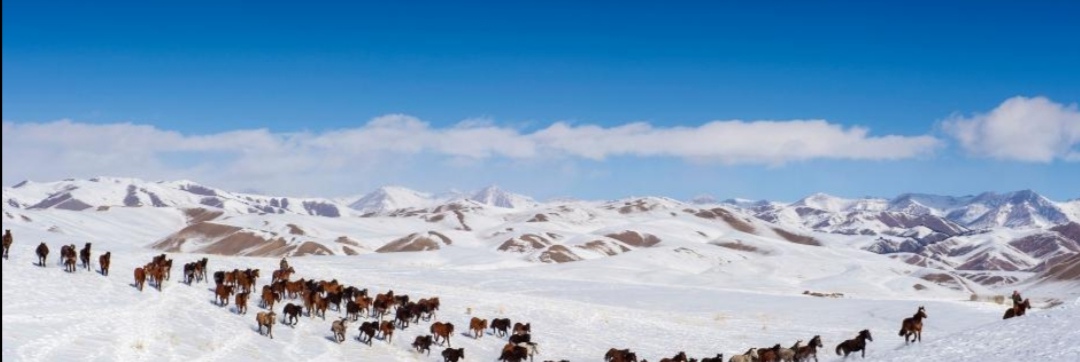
(284,264)
(1016,298)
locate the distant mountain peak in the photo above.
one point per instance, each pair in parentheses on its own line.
(492,195)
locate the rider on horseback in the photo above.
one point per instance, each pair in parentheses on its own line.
(1016,299)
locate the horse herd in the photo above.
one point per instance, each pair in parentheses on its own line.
(315,297)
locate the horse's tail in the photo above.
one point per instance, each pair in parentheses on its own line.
(901,331)
(838,348)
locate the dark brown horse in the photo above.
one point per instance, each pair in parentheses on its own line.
(104,261)
(912,327)
(1018,310)
(292,314)
(453,355)
(423,343)
(42,254)
(855,345)
(804,353)
(84,256)
(620,355)
(500,327)
(8,240)
(368,329)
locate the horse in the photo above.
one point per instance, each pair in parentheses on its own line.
(522,328)
(804,353)
(453,355)
(8,240)
(1018,310)
(500,327)
(620,355)
(338,328)
(719,358)
(84,256)
(66,250)
(223,293)
(266,319)
(513,353)
(241,303)
(42,254)
(368,329)
(855,345)
(749,356)
(140,278)
(788,354)
(531,349)
(477,326)
(912,327)
(103,261)
(520,338)
(403,316)
(69,264)
(292,314)
(681,357)
(769,354)
(387,331)
(442,331)
(423,343)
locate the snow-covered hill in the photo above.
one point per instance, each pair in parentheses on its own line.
(913,229)
(590,276)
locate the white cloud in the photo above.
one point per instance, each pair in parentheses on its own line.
(1023,129)
(295,161)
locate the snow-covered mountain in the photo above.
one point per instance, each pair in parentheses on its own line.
(101,193)
(1018,210)
(390,198)
(494,196)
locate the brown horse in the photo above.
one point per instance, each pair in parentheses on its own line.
(140,278)
(912,327)
(266,319)
(69,264)
(104,261)
(386,329)
(500,327)
(84,256)
(442,331)
(855,345)
(241,303)
(477,326)
(223,293)
(8,240)
(42,254)
(769,354)
(1018,310)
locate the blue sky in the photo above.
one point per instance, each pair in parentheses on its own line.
(916,70)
